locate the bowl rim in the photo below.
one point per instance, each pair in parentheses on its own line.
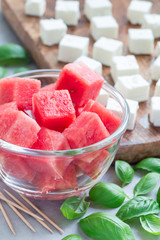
(72,152)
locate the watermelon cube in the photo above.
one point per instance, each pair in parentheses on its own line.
(87,129)
(19,90)
(53,110)
(110,120)
(10,105)
(18,128)
(82,83)
(50,87)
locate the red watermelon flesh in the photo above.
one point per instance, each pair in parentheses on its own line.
(53,110)
(82,82)
(50,87)
(10,105)
(110,120)
(18,128)
(19,90)
(87,129)
(44,182)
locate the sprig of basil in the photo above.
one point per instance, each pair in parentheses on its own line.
(158,196)
(107,194)
(105,226)
(151,224)
(124,172)
(74,207)
(3,72)
(149,164)
(22,69)
(72,237)
(137,207)
(146,184)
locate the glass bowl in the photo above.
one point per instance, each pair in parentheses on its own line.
(93,161)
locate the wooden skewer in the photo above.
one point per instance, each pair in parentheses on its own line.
(21,216)
(22,205)
(19,207)
(7,218)
(41,213)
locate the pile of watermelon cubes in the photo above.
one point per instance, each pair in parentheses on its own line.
(63,115)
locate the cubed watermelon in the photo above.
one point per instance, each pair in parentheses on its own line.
(53,110)
(10,105)
(50,87)
(110,120)
(19,90)
(87,129)
(82,82)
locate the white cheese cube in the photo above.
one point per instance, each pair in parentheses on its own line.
(52,31)
(102,97)
(155,111)
(94,8)
(157,49)
(71,47)
(114,106)
(157,89)
(124,66)
(152,21)
(35,7)
(68,11)
(105,48)
(155,69)
(133,107)
(133,87)
(91,63)
(136,11)
(104,26)
(141,41)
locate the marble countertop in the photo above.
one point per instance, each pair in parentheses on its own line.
(52,208)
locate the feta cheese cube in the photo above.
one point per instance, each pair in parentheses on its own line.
(124,66)
(94,8)
(155,69)
(68,11)
(133,87)
(157,89)
(93,64)
(104,26)
(52,31)
(35,7)
(141,41)
(114,106)
(102,97)
(133,107)
(105,48)
(152,21)
(155,111)
(71,47)
(136,11)
(157,49)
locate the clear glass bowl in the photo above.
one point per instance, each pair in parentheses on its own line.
(94,159)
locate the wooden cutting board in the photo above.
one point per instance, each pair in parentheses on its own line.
(144,140)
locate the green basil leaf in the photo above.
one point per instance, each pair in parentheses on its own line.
(149,164)
(151,224)
(107,194)
(138,206)
(72,237)
(124,172)
(146,184)
(13,54)
(3,72)
(22,69)
(158,196)
(74,207)
(105,226)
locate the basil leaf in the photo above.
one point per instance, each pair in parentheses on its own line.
(158,196)
(13,54)
(151,224)
(107,194)
(22,69)
(74,207)
(146,184)
(72,237)
(105,226)
(124,172)
(3,72)
(138,206)
(149,164)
